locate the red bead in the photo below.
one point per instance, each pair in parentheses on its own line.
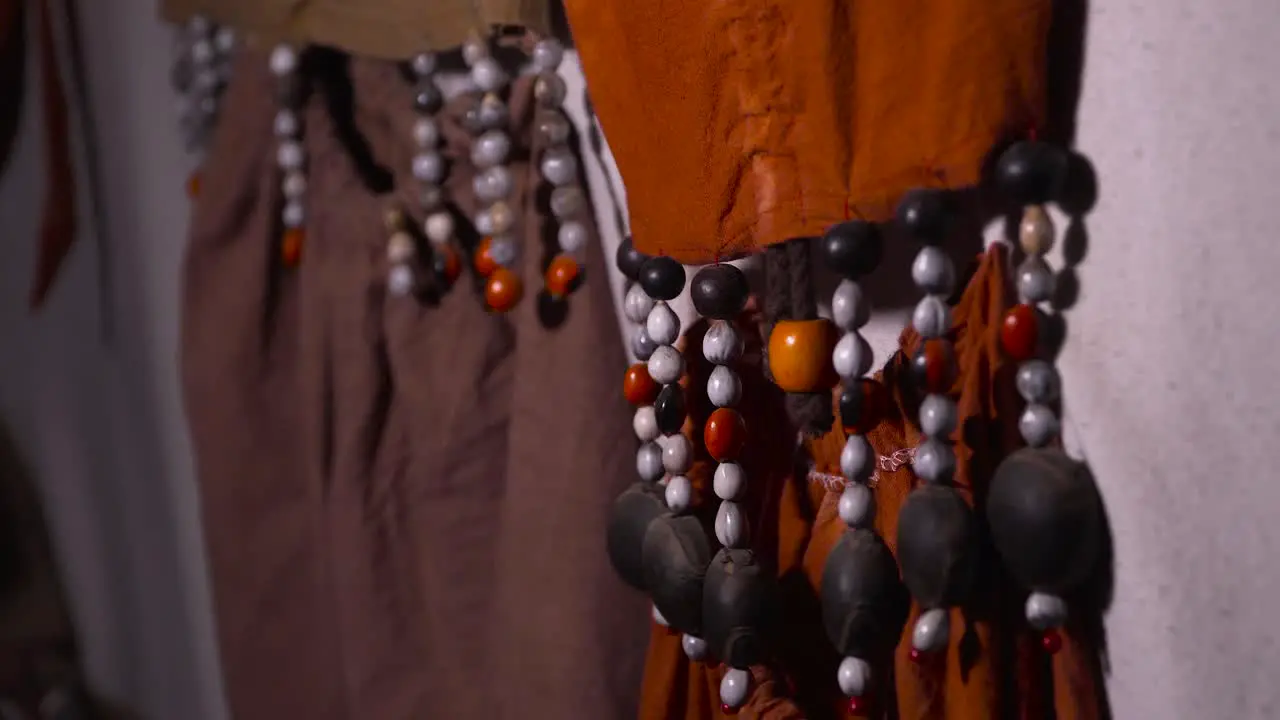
(1051,641)
(858,705)
(725,434)
(916,656)
(726,709)
(1020,332)
(638,387)
(934,367)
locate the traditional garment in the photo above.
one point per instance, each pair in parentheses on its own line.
(404,504)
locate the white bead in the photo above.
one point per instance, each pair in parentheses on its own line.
(492,184)
(199,25)
(428,167)
(649,462)
(572,237)
(202,52)
(931,318)
(473,50)
(560,168)
(294,185)
(284,60)
(424,64)
(727,481)
(937,416)
(490,148)
(679,493)
(400,280)
(400,248)
(290,155)
(695,648)
(677,454)
(724,388)
(729,524)
(931,630)
(286,124)
(734,687)
(645,423)
(547,54)
(293,215)
(856,505)
(426,133)
(488,75)
(438,227)
(721,344)
(852,356)
(637,304)
(854,676)
(504,251)
(225,40)
(665,365)
(658,618)
(663,325)
(849,308)
(856,458)
(1045,611)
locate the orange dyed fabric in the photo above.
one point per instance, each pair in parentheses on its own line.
(994,666)
(737,124)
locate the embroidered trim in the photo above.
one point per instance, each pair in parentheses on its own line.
(884,464)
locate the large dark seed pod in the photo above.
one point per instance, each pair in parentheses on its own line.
(1031,173)
(675,557)
(937,547)
(923,214)
(719,291)
(669,408)
(629,260)
(629,519)
(662,278)
(852,248)
(864,605)
(1046,519)
(737,599)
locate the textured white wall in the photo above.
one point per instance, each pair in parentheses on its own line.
(1169,374)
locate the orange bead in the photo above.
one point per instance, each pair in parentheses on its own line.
(502,290)
(484,263)
(725,434)
(193,184)
(291,246)
(800,355)
(452,264)
(1020,333)
(638,387)
(561,275)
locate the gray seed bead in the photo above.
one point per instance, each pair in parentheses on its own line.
(492,184)
(649,462)
(504,251)
(642,346)
(637,304)
(663,324)
(400,248)
(1045,611)
(286,124)
(473,50)
(501,218)
(488,75)
(426,133)
(734,687)
(932,630)
(400,280)
(224,40)
(677,454)
(428,167)
(205,81)
(438,227)
(856,458)
(490,148)
(852,356)
(665,365)
(727,481)
(284,60)
(552,128)
(931,318)
(729,524)
(678,493)
(1038,425)
(849,307)
(1035,280)
(290,155)
(567,202)
(492,113)
(724,388)
(856,505)
(695,648)
(559,167)
(645,423)
(1035,232)
(854,676)
(294,185)
(933,272)
(721,345)
(934,461)
(1038,382)
(572,237)
(293,215)
(658,618)
(547,54)
(199,25)
(938,416)
(202,52)
(424,64)
(549,90)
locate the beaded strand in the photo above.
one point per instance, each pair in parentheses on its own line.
(290,152)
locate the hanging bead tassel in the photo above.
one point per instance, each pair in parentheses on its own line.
(558,167)
(430,170)
(290,153)
(200,73)
(1043,509)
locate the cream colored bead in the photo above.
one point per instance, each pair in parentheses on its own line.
(1036,232)
(400,247)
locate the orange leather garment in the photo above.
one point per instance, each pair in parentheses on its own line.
(737,124)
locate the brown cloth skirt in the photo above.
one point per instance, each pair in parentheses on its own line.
(404,504)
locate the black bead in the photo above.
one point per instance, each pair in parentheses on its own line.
(864,605)
(852,249)
(675,558)
(629,260)
(923,214)
(937,545)
(719,291)
(629,519)
(852,402)
(427,98)
(737,601)
(669,408)
(662,278)
(1045,517)
(1031,173)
